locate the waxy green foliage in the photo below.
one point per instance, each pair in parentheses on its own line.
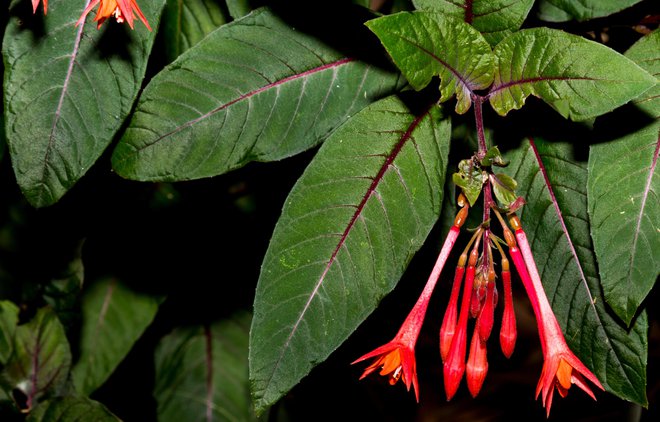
(253,90)
(495,19)
(428,44)
(349,227)
(71,408)
(67,90)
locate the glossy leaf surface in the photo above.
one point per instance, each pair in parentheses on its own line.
(348,229)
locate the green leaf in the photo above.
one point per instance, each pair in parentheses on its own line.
(504,188)
(470,178)
(428,44)
(548,12)
(114,317)
(39,365)
(238,8)
(187,22)
(202,373)
(624,208)
(71,409)
(646,53)
(584,9)
(347,232)
(566,71)
(495,19)
(555,220)
(67,90)
(253,90)
(8,323)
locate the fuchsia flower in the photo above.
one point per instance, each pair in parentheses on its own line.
(35,4)
(121,10)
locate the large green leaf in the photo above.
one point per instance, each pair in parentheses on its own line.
(553,182)
(67,90)
(566,71)
(348,229)
(563,10)
(253,90)
(71,409)
(114,317)
(39,365)
(495,19)
(8,323)
(186,22)
(425,44)
(646,53)
(202,373)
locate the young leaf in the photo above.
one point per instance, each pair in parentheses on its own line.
(583,10)
(186,22)
(495,19)
(428,44)
(8,323)
(202,373)
(566,71)
(114,317)
(39,365)
(646,53)
(253,90)
(67,89)
(71,409)
(555,219)
(348,229)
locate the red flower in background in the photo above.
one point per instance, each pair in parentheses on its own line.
(35,4)
(121,10)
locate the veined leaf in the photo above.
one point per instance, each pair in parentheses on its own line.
(39,365)
(583,10)
(646,53)
(8,323)
(238,8)
(425,44)
(71,409)
(186,22)
(253,90)
(202,373)
(67,90)
(566,71)
(114,317)
(624,207)
(349,228)
(555,218)
(495,19)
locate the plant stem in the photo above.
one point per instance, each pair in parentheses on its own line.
(481,153)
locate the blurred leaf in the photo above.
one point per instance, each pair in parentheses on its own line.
(114,317)
(202,373)
(238,8)
(187,22)
(347,232)
(646,53)
(550,13)
(8,323)
(40,363)
(63,293)
(581,10)
(495,19)
(253,90)
(566,71)
(67,90)
(556,222)
(428,44)
(71,409)
(624,208)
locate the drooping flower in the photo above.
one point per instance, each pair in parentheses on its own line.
(121,10)
(561,368)
(396,359)
(35,4)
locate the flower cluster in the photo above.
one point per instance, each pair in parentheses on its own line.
(121,10)
(474,295)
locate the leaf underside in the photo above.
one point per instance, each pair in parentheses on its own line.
(71,408)
(348,229)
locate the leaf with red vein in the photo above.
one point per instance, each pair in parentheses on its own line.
(565,71)
(427,44)
(348,229)
(256,89)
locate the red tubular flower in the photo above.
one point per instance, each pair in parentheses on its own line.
(561,368)
(448,327)
(477,364)
(396,359)
(119,9)
(35,4)
(508,331)
(487,315)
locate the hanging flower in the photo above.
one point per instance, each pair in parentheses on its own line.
(35,4)
(121,10)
